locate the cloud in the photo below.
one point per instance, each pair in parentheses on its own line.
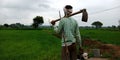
(25,4)
(14,10)
(25,10)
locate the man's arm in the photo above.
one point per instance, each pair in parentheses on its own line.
(58,29)
(77,35)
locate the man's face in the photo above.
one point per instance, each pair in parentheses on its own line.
(68,11)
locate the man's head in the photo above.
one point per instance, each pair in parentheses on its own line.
(68,9)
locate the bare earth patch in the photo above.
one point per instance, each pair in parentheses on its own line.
(111,50)
(98,59)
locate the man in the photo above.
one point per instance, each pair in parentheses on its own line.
(69,29)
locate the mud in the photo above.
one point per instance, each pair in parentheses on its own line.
(111,50)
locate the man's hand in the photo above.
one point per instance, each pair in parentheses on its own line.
(83,10)
(53,22)
(81,50)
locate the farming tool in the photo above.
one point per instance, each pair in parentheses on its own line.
(84,16)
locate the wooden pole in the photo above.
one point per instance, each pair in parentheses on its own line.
(85,16)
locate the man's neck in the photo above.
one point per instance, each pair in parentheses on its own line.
(67,15)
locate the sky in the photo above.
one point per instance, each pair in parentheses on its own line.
(23,11)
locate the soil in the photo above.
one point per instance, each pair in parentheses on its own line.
(98,59)
(112,51)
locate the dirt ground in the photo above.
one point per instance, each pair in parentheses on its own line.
(98,59)
(110,50)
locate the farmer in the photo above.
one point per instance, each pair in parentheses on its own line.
(69,30)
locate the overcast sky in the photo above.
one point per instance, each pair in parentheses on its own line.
(23,11)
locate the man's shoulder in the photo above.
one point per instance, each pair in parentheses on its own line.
(73,20)
(67,19)
(63,19)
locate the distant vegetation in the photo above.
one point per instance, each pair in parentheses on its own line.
(37,21)
(36,42)
(109,36)
(97,24)
(29,45)
(19,26)
(42,45)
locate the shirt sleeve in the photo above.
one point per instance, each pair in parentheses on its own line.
(55,28)
(59,28)
(77,35)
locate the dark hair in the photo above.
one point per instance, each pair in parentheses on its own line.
(68,7)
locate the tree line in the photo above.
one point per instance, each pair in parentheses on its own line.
(38,21)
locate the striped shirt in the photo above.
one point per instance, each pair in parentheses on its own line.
(68,28)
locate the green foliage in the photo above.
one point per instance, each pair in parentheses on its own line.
(42,45)
(97,24)
(118,27)
(38,20)
(6,25)
(105,36)
(29,45)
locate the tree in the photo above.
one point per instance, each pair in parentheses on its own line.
(119,27)
(6,25)
(38,20)
(17,25)
(119,24)
(97,24)
(35,25)
(113,26)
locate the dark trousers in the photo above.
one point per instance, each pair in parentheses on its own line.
(72,52)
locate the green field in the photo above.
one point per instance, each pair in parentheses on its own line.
(28,45)
(42,45)
(105,36)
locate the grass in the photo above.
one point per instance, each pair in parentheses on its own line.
(28,45)
(42,45)
(105,36)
